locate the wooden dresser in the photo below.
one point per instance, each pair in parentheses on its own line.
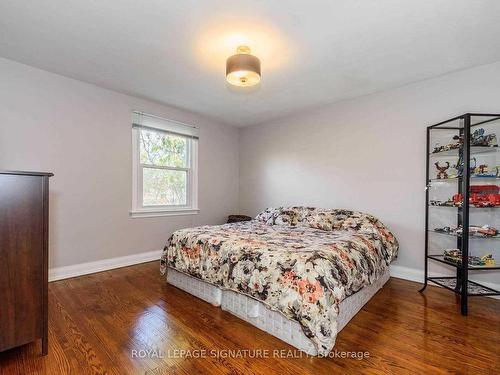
(24,209)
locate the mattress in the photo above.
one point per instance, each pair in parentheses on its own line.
(262,317)
(301,262)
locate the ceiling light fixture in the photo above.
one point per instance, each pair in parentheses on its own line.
(243,69)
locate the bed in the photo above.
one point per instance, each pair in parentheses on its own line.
(299,273)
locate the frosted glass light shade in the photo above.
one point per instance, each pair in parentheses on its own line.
(243,69)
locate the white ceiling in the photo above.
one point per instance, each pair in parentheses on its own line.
(312,52)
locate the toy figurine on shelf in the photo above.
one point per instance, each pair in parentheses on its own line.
(442,174)
(483,171)
(488,260)
(460,166)
(479,139)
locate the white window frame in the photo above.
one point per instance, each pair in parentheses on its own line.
(191,206)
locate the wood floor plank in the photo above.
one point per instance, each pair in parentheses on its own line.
(96,322)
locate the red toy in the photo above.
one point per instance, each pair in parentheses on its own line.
(457,199)
(485,230)
(484,189)
(481,196)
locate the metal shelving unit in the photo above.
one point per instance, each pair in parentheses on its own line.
(466,147)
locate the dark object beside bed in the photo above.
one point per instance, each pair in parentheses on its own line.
(237,218)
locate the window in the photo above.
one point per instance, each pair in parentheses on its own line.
(164,167)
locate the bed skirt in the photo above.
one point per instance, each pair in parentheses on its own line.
(259,315)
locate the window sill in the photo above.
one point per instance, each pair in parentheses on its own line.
(135,214)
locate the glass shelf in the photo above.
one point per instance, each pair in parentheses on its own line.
(471,236)
(473,288)
(473,151)
(479,133)
(476,178)
(440,258)
(460,207)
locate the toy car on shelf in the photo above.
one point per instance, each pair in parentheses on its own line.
(480,196)
(455,256)
(451,146)
(448,203)
(474,230)
(490,200)
(450,230)
(485,230)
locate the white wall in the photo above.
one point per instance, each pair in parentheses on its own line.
(366,154)
(82,133)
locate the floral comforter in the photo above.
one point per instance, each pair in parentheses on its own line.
(299,261)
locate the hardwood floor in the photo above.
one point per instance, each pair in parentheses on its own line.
(99,323)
